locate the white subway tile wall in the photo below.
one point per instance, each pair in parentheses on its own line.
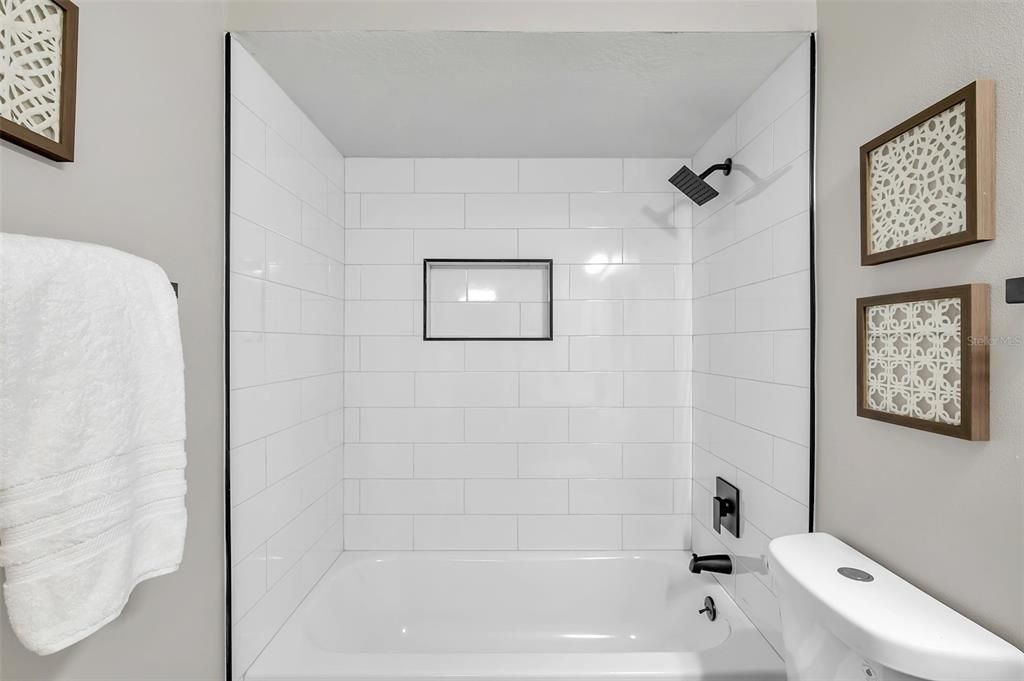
(681,351)
(286,349)
(751,334)
(581,442)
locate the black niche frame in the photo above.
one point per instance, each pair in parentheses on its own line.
(549,263)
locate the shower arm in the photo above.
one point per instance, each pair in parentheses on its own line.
(726,168)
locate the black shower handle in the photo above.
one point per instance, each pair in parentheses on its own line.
(722,508)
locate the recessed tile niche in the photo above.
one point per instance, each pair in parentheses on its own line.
(487,299)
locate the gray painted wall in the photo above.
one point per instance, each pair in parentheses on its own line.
(945,514)
(148,179)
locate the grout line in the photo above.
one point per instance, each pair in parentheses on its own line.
(749,380)
(761,230)
(302,510)
(745,471)
(296,424)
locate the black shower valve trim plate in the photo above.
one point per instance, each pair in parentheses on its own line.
(726,507)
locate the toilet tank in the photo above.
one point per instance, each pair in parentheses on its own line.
(846,617)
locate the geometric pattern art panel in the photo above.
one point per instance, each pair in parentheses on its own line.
(31,33)
(918,183)
(913,363)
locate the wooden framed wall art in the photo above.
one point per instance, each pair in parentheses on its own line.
(923,360)
(928,184)
(38,65)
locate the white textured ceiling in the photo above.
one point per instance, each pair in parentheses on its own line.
(393,93)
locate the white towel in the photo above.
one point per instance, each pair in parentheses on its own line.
(92,430)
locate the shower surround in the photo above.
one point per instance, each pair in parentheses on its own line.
(349,432)
(581,442)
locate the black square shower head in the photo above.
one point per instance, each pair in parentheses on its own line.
(689,183)
(694,186)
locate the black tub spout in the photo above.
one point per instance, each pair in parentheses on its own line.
(719,562)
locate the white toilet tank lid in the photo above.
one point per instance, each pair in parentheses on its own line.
(888,620)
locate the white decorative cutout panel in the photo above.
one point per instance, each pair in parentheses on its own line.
(913,359)
(918,183)
(30,64)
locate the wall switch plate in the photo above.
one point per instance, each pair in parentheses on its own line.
(1015,290)
(726,511)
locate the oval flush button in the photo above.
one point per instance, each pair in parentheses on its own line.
(855,574)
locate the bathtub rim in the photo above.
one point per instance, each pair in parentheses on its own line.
(276,662)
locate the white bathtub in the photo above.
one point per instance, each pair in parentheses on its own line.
(515,615)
